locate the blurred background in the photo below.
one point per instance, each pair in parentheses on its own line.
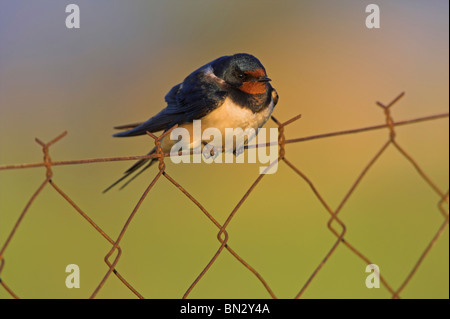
(324,63)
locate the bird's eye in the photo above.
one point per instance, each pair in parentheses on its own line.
(241,76)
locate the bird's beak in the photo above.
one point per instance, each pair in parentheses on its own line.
(263,79)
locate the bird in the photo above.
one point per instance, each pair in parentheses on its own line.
(231,91)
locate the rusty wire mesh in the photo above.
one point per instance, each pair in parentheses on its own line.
(335,224)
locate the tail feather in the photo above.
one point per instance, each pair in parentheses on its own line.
(139,173)
(132,169)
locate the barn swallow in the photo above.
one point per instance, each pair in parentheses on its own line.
(228,92)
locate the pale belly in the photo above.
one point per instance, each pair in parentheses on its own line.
(228,116)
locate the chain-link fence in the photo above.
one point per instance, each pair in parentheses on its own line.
(335,224)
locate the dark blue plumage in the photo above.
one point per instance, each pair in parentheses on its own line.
(187,101)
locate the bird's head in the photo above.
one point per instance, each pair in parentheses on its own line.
(242,71)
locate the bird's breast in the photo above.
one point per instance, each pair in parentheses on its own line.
(231,115)
(228,115)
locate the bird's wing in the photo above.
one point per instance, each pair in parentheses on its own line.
(127,126)
(157,123)
(187,101)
